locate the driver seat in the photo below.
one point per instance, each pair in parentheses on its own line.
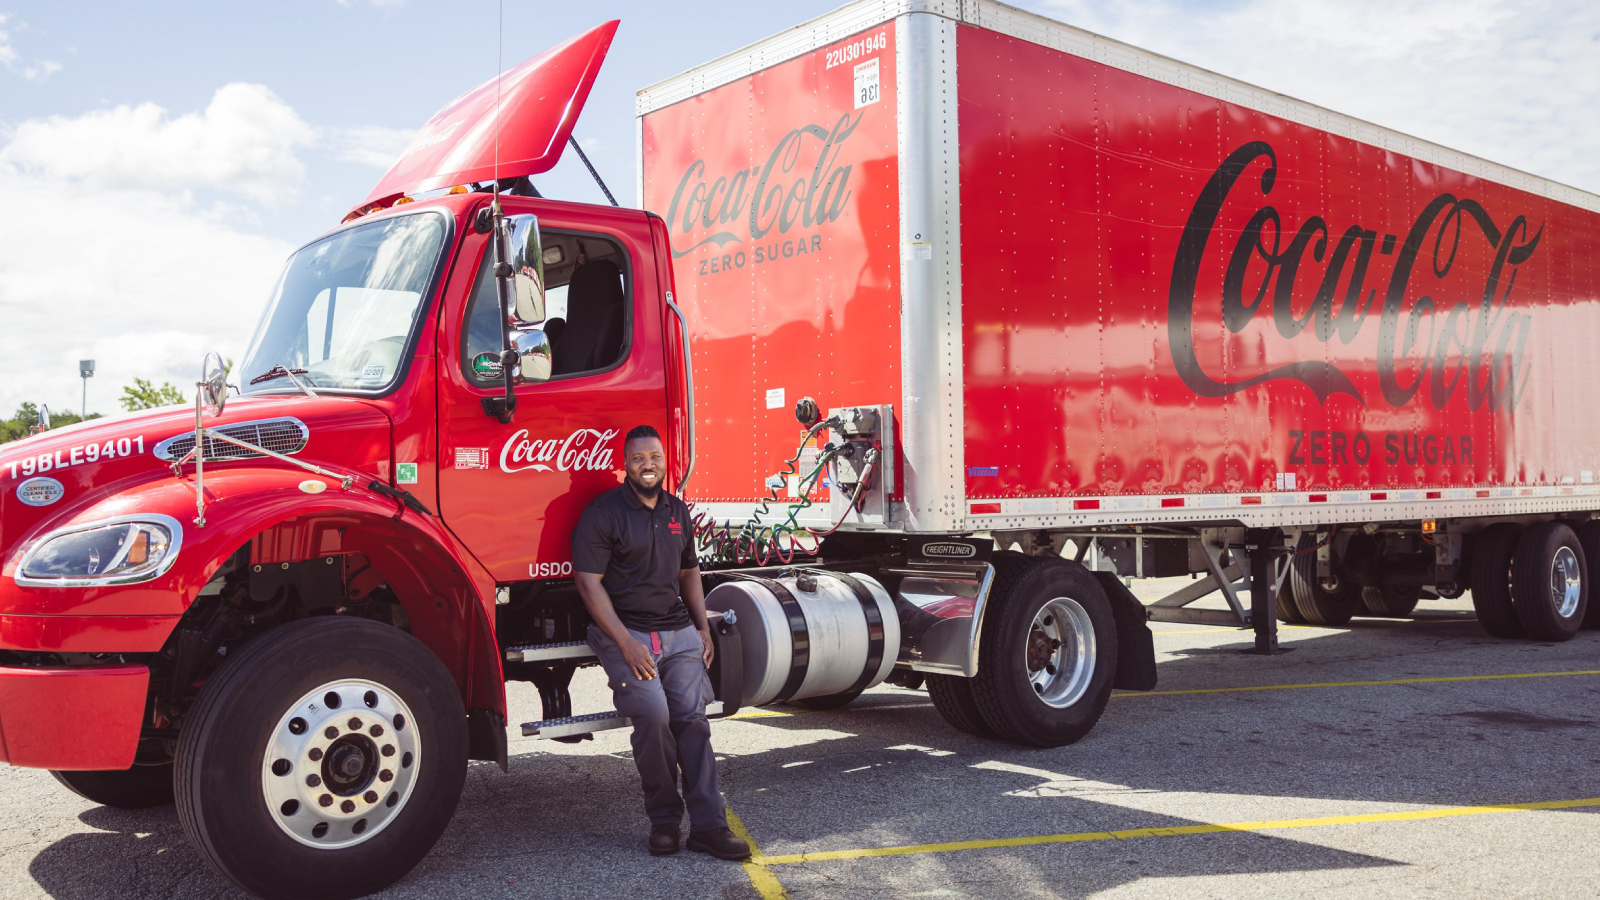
(596,309)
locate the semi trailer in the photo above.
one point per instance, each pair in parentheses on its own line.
(954,318)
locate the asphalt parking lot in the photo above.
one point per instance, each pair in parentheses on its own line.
(1386,759)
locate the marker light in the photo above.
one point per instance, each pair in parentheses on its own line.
(1429,526)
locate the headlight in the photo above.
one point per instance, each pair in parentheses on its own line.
(116,551)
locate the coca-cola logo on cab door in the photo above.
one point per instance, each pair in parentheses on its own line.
(584,450)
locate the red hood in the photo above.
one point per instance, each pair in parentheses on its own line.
(538,100)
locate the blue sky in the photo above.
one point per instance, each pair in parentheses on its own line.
(159,160)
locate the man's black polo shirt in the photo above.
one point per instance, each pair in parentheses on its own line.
(638,552)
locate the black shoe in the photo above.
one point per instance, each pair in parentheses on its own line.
(663,840)
(722,843)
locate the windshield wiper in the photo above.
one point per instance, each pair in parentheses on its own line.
(285,372)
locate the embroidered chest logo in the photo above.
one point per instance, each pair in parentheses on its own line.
(675,527)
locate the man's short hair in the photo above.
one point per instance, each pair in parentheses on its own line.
(641,431)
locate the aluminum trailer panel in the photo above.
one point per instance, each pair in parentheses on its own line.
(1134,291)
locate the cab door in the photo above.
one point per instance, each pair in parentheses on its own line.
(513,492)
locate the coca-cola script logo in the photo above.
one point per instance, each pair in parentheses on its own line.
(1478,344)
(764,196)
(584,450)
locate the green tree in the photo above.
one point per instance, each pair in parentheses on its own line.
(27,418)
(144,394)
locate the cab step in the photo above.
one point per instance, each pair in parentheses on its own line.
(572,726)
(558,652)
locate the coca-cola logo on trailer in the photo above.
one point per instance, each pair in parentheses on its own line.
(1425,343)
(777,195)
(584,450)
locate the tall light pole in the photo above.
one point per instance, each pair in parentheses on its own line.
(86,372)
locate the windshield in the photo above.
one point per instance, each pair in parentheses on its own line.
(345,308)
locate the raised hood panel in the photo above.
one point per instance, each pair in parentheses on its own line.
(539,102)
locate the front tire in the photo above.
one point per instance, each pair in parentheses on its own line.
(323,760)
(139,787)
(1048,652)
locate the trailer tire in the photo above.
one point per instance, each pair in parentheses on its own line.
(1318,604)
(1491,580)
(1589,540)
(952,697)
(1048,652)
(1390,601)
(138,787)
(1550,582)
(1287,611)
(252,740)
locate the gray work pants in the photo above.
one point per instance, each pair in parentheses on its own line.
(670,729)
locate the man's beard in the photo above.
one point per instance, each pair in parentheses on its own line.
(648,493)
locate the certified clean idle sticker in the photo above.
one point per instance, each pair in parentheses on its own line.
(40,491)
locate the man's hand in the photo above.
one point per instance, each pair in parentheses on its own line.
(638,658)
(710,648)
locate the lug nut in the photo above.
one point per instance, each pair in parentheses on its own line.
(388,749)
(355,724)
(325,800)
(316,754)
(386,775)
(377,731)
(313,780)
(330,732)
(348,806)
(370,796)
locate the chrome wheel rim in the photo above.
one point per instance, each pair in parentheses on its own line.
(341,764)
(1060,652)
(1566,582)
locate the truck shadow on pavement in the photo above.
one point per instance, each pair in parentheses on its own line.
(567,822)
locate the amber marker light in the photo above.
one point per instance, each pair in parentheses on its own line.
(1429,526)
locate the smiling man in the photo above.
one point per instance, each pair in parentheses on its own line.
(634,556)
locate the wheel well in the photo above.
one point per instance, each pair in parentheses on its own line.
(356,565)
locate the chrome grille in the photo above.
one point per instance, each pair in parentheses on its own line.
(287,436)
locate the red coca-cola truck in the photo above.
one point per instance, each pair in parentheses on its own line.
(953,318)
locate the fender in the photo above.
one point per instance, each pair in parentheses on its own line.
(447,595)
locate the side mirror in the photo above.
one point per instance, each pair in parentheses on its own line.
(43,423)
(534,357)
(213,384)
(521,234)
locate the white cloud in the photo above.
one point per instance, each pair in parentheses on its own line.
(1507,80)
(369,145)
(244,141)
(36,70)
(118,261)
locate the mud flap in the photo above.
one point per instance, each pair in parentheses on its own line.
(486,737)
(1136,648)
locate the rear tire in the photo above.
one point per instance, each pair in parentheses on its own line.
(1318,603)
(139,787)
(1048,652)
(1491,581)
(952,697)
(1390,601)
(1589,540)
(293,792)
(1550,582)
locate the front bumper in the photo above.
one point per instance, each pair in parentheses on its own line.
(71,718)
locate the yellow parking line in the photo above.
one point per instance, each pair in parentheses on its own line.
(761,877)
(1336,684)
(1177,831)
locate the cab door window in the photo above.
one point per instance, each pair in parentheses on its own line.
(587,306)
